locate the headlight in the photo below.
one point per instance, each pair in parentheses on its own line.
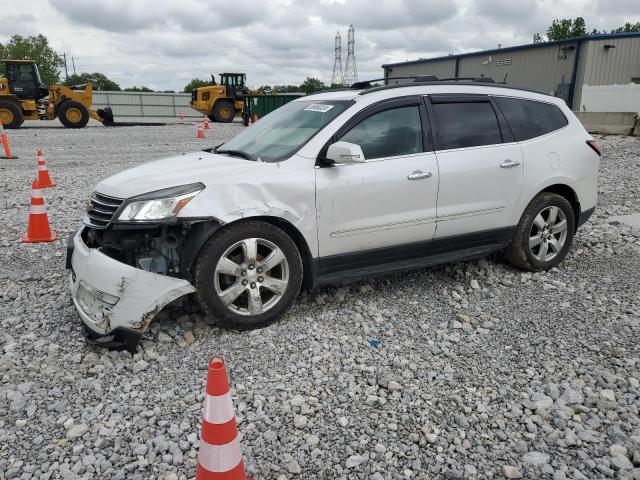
(159,205)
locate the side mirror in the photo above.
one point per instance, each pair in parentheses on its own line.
(345,152)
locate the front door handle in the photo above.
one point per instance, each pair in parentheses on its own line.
(417,175)
(508,163)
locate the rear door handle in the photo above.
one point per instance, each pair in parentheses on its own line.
(509,164)
(417,175)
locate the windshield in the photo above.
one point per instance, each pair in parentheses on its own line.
(282,132)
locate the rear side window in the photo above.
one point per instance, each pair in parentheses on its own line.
(530,119)
(466,124)
(389,133)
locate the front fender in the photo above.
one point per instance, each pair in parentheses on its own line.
(282,197)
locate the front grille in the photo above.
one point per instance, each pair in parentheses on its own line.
(101,209)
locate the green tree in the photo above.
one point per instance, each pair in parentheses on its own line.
(286,88)
(566,28)
(195,83)
(99,81)
(138,89)
(628,27)
(34,48)
(311,85)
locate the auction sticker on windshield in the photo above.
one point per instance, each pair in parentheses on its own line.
(319,107)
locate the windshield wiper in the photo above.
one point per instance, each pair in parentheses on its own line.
(237,153)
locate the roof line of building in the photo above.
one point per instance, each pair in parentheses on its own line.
(517,47)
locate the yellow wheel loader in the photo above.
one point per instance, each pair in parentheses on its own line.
(23,96)
(221,102)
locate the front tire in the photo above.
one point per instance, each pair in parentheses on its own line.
(248,275)
(73,114)
(544,234)
(10,114)
(224,111)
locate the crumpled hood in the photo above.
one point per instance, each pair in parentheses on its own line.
(175,171)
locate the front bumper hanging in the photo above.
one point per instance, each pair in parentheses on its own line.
(115,301)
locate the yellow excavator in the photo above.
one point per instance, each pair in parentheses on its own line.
(221,102)
(23,96)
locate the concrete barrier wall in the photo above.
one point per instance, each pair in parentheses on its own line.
(145,104)
(612,123)
(610,98)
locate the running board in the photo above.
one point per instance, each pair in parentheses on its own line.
(464,254)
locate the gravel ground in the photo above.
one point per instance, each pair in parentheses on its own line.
(470,370)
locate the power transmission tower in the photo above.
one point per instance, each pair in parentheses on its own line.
(350,70)
(66,71)
(336,78)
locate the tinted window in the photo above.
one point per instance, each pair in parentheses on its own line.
(470,124)
(529,119)
(388,133)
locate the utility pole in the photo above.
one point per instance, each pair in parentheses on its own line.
(350,71)
(66,72)
(336,77)
(74,65)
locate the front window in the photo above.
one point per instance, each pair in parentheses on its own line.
(390,133)
(281,133)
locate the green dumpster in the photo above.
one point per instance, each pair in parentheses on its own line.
(261,105)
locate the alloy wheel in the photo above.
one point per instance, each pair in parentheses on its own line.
(548,234)
(251,276)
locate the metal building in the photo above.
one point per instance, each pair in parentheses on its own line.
(591,73)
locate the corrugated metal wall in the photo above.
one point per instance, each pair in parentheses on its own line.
(145,104)
(615,65)
(544,69)
(441,69)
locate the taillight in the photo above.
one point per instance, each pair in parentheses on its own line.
(595,146)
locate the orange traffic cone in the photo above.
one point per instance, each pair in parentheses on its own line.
(43,173)
(206,123)
(200,131)
(5,143)
(220,454)
(38,229)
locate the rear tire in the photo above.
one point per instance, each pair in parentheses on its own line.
(248,274)
(73,114)
(10,114)
(544,234)
(224,111)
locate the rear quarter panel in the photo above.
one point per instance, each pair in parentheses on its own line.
(560,157)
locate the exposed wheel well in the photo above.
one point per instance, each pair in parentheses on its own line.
(299,240)
(568,193)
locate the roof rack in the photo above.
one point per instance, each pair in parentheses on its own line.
(366,86)
(419,79)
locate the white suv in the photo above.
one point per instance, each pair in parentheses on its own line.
(335,185)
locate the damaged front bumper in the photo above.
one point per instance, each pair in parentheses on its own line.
(117,302)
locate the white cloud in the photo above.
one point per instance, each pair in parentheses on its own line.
(20,22)
(165,44)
